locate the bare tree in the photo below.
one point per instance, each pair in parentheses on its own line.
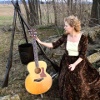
(70,6)
(55,11)
(40,14)
(27,10)
(95,13)
(32,11)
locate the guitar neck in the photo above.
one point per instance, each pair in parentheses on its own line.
(35,53)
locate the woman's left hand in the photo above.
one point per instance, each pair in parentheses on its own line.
(72,67)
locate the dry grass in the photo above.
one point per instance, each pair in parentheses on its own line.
(18,73)
(6,10)
(6,14)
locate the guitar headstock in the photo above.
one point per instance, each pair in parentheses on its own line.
(32,32)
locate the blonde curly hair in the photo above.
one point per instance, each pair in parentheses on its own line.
(73,21)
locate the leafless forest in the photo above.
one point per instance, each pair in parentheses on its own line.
(54,11)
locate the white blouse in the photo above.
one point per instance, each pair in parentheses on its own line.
(72,48)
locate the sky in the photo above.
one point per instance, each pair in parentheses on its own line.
(66,0)
(44,0)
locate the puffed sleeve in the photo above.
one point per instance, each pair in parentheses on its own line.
(59,41)
(83,50)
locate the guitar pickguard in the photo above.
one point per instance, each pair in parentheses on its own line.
(42,73)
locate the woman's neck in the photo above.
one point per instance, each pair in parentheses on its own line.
(74,34)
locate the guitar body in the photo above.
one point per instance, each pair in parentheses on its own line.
(38,81)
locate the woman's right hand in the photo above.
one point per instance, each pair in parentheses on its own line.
(49,45)
(38,40)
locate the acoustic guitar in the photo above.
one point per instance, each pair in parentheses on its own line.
(38,80)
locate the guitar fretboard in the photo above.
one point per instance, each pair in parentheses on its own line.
(35,51)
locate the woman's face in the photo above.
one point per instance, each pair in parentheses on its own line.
(68,28)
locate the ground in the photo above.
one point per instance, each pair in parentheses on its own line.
(18,71)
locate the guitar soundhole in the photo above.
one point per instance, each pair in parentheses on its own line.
(37,70)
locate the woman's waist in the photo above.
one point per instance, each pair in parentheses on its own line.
(70,57)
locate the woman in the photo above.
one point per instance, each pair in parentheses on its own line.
(78,80)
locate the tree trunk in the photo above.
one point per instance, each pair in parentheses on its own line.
(55,11)
(27,10)
(95,13)
(40,14)
(47,13)
(80,15)
(32,12)
(70,6)
(33,6)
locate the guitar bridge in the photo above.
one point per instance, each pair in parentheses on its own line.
(38,80)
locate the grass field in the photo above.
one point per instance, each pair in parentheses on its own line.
(6,10)
(6,14)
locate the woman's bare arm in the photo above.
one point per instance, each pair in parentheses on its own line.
(49,45)
(77,61)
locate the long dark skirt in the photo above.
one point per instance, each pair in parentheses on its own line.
(81,84)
